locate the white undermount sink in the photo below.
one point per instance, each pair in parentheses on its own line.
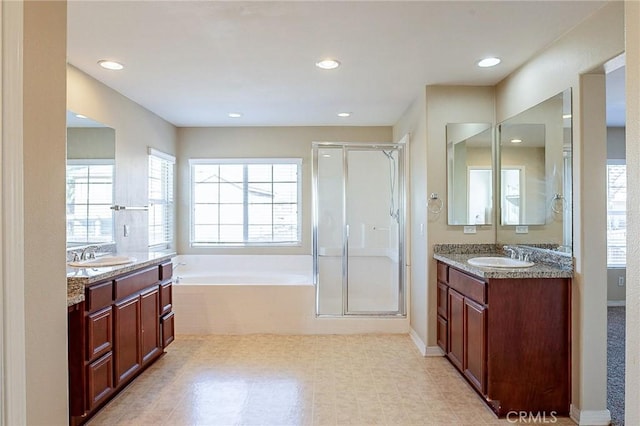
(499,262)
(103,261)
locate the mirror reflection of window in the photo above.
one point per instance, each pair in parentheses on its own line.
(89,200)
(480,195)
(513,203)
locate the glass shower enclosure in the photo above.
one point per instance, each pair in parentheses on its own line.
(358,229)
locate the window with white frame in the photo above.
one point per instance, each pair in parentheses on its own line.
(246,201)
(161,220)
(616,214)
(89,201)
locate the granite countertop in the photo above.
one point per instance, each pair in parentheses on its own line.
(539,270)
(78,278)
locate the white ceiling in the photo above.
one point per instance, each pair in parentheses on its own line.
(193,62)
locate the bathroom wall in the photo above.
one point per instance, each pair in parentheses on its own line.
(267,142)
(413,123)
(426,121)
(616,151)
(136,129)
(43,178)
(565,64)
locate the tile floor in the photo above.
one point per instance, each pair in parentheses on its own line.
(298,380)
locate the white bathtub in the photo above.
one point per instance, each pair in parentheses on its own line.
(243,270)
(246,294)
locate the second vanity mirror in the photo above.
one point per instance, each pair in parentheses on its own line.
(535,179)
(90,177)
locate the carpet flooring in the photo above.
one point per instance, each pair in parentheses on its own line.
(615,364)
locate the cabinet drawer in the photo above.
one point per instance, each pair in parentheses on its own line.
(99,380)
(133,283)
(99,333)
(168,333)
(443,272)
(166,271)
(98,296)
(469,286)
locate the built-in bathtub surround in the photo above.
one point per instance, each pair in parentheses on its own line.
(249,294)
(458,255)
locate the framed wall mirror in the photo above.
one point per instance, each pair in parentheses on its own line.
(469,173)
(535,175)
(90,181)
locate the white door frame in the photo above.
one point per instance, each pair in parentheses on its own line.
(12,300)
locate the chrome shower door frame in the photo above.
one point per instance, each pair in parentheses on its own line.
(345,148)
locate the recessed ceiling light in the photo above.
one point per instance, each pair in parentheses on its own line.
(344,114)
(489,62)
(328,64)
(235,114)
(516,140)
(80,116)
(566,115)
(110,65)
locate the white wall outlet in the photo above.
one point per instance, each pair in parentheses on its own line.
(522,229)
(469,229)
(620,281)
(126,230)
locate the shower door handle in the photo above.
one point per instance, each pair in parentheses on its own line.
(347,232)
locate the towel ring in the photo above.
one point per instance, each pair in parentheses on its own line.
(434,204)
(558,203)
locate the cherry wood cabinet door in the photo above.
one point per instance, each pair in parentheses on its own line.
(442,299)
(150,324)
(456,328)
(99,380)
(127,338)
(99,333)
(442,333)
(475,348)
(168,333)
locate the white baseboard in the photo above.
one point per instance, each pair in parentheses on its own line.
(616,302)
(422,347)
(590,417)
(434,351)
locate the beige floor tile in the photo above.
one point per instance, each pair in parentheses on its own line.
(299,381)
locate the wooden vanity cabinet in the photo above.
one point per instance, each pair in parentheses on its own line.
(510,338)
(114,334)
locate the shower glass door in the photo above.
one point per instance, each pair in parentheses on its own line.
(359,229)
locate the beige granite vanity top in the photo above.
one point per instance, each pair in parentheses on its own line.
(539,270)
(78,278)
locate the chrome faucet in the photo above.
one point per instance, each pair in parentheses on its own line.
(511,252)
(89,252)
